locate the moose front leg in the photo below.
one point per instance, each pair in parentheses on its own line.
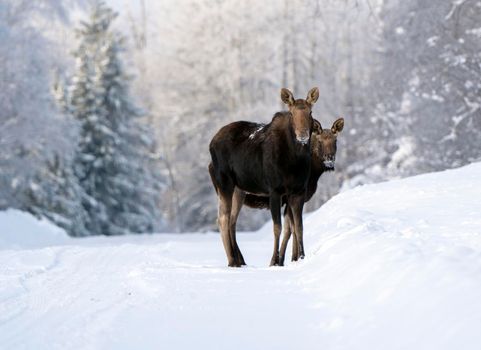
(297,204)
(295,245)
(275,205)
(295,250)
(288,231)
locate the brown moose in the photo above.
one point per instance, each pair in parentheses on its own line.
(270,160)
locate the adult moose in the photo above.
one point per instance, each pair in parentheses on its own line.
(323,150)
(271,160)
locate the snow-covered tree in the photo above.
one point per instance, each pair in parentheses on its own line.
(55,193)
(428,98)
(32,127)
(114,161)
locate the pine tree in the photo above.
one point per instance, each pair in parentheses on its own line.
(54,193)
(113,161)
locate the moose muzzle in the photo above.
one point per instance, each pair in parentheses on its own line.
(329,162)
(303,138)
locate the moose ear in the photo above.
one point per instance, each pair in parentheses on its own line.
(287,97)
(316,126)
(312,96)
(337,126)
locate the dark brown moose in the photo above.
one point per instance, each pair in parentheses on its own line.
(323,150)
(270,160)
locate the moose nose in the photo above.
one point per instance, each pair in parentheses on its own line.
(329,162)
(304,139)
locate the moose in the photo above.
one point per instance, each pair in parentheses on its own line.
(323,156)
(273,161)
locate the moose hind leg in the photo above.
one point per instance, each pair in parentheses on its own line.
(275,204)
(225,204)
(237,202)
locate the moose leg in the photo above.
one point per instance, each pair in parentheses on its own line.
(295,249)
(275,204)
(295,245)
(297,204)
(237,202)
(223,217)
(288,231)
(286,237)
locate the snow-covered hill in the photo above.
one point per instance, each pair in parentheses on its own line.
(395,265)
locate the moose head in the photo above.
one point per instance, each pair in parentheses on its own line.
(324,143)
(301,112)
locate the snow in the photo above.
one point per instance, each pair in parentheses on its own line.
(394,265)
(22,230)
(475,32)
(432,41)
(256,131)
(404,155)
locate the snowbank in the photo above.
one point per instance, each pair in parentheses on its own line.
(22,230)
(396,265)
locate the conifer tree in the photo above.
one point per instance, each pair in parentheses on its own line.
(54,193)
(113,161)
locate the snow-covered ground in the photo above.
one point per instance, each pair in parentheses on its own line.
(395,265)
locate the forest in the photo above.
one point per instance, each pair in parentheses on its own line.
(107,108)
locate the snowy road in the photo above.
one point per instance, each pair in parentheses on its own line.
(152,290)
(389,266)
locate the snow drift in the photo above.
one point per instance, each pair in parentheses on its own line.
(394,265)
(22,230)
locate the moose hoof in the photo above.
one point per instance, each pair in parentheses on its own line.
(274,262)
(241,263)
(234,264)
